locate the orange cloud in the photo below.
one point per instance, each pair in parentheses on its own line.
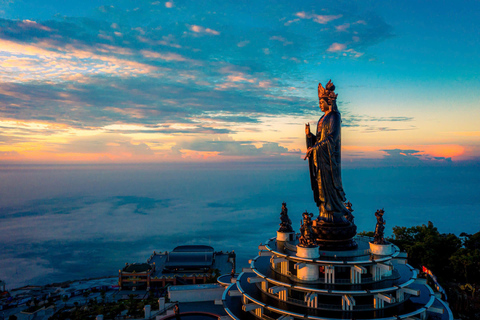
(238,78)
(447,151)
(425,151)
(33,24)
(198,155)
(353,152)
(468,133)
(44,61)
(335,47)
(31,125)
(200,29)
(343,27)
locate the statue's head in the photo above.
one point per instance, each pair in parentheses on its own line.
(327,97)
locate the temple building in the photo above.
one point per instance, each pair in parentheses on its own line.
(192,264)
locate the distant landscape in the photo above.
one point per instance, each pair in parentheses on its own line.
(71,222)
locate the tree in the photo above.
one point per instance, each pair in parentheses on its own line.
(86,293)
(132,304)
(102,295)
(470,241)
(366,233)
(213,275)
(65,299)
(466,261)
(425,246)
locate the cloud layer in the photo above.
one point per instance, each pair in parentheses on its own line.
(62,223)
(173,69)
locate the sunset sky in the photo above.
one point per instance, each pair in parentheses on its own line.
(156,81)
(133,126)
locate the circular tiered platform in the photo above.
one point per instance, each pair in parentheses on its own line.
(352,284)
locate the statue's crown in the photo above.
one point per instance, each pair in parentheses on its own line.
(328,92)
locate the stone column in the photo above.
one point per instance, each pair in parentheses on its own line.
(311,299)
(307,271)
(284,267)
(161,303)
(148,311)
(283,264)
(347,303)
(379,300)
(329,274)
(356,274)
(262,281)
(257,309)
(282,292)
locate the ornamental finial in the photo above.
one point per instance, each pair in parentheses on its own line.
(327,93)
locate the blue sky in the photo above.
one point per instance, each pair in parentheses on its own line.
(155,81)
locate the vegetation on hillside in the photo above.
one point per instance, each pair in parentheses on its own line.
(455,261)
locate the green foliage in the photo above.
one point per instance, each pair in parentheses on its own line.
(103,295)
(109,310)
(366,233)
(454,260)
(471,242)
(466,261)
(426,246)
(214,274)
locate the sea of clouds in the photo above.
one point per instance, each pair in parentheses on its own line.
(62,223)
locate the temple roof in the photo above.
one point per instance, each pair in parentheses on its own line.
(193,248)
(137,267)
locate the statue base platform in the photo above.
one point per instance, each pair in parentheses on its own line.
(285,236)
(308,272)
(310,252)
(381,249)
(335,236)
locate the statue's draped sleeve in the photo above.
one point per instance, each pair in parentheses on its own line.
(311,140)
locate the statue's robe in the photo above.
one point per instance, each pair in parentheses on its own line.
(325,164)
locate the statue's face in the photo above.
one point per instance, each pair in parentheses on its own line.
(324,106)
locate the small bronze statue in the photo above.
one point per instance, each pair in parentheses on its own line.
(379,228)
(349,216)
(307,238)
(176,310)
(286,223)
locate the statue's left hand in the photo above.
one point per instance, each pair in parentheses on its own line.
(309,151)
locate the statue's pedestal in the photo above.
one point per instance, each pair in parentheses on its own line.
(381,249)
(306,271)
(285,236)
(335,236)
